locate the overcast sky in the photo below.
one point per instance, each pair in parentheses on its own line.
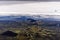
(29,7)
(29,0)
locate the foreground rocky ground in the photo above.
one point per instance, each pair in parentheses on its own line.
(30,33)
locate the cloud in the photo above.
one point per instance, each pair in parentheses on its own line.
(33,8)
(30,0)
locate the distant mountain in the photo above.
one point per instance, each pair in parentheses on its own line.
(14,21)
(24,17)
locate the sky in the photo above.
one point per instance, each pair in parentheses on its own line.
(29,7)
(29,0)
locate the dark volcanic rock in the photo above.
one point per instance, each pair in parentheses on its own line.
(9,33)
